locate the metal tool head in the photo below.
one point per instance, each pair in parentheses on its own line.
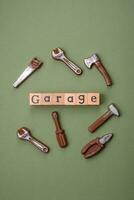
(35,63)
(113,109)
(24,133)
(105,138)
(57,53)
(91,60)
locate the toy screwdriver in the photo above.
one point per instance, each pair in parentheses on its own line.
(60,134)
(95,146)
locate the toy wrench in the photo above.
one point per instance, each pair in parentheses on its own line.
(58,54)
(34,64)
(25,134)
(95,146)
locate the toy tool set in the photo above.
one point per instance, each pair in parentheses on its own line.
(68,99)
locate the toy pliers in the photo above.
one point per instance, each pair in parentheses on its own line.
(95,146)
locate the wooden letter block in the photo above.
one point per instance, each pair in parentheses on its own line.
(64,99)
(35,99)
(81,98)
(58,99)
(69,99)
(46,99)
(93,99)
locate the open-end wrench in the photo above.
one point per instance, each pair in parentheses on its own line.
(58,54)
(25,134)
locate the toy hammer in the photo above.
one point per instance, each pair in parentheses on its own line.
(94,59)
(112,111)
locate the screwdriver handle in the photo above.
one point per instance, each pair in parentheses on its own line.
(60,135)
(61,138)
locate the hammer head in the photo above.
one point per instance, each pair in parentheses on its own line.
(114,110)
(91,60)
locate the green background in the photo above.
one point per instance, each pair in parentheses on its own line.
(31,28)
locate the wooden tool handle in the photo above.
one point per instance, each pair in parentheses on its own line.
(44,148)
(92,148)
(61,138)
(104,73)
(55,116)
(60,135)
(100,121)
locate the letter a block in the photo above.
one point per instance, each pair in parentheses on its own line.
(64,99)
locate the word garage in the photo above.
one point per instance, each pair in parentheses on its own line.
(64,99)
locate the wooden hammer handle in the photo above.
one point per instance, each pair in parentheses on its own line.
(104,73)
(100,121)
(60,135)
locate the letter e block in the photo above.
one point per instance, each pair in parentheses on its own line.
(94,99)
